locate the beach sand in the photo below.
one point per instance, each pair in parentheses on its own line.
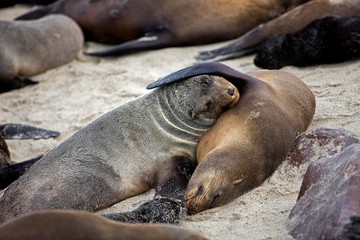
(69,97)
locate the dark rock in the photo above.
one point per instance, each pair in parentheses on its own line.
(320,142)
(331,196)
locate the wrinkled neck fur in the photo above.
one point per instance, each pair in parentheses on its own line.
(174,119)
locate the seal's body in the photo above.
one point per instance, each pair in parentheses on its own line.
(141,24)
(125,152)
(289,22)
(59,225)
(327,40)
(28,48)
(249,141)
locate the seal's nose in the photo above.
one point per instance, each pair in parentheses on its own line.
(231,91)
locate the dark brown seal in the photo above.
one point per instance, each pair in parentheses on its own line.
(32,47)
(60,225)
(289,22)
(137,146)
(324,41)
(141,24)
(250,140)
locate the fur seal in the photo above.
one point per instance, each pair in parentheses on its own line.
(118,155)
(250,140)
(327,40)
(9,172)
(142,25)
(32,47)
(289,22)
(62,224)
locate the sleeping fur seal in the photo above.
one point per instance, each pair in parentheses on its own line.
(65,224)
(142,25)
(125,152)
(32,47)
(289,22)
(250,140)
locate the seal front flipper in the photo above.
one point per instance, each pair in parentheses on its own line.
(37,13)
(21,131)
(170,188)
(211,68)
(15,83)
(158,210)
(9,173)
(150,41)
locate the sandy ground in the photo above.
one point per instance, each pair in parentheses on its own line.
(69,97)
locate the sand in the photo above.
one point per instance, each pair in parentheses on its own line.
(69,97)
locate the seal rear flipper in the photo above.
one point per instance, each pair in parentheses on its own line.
(149,41)
(158,210)
(225,53)
(21,131)
(10,173)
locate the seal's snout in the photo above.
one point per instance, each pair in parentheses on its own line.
(231,91)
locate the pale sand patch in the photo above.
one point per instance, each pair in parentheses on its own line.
(69,97)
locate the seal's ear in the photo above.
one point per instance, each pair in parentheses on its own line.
(212,68)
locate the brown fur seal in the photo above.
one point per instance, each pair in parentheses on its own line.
(125,152)
(289,22)
(71,225)
(9,172)
(142,25)
(250,140)
(32,47)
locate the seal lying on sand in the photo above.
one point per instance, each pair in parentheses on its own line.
(9,172)
(290,22)
(142,25)
(250,140)
(32,47)
(326,40)
(125,152)
(62,224)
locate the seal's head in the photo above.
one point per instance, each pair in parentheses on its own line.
(205,96)
(210,190)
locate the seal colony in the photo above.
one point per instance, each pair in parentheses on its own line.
(142,25)
(289,22)
(118,155)
(32,47)
(65,224)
